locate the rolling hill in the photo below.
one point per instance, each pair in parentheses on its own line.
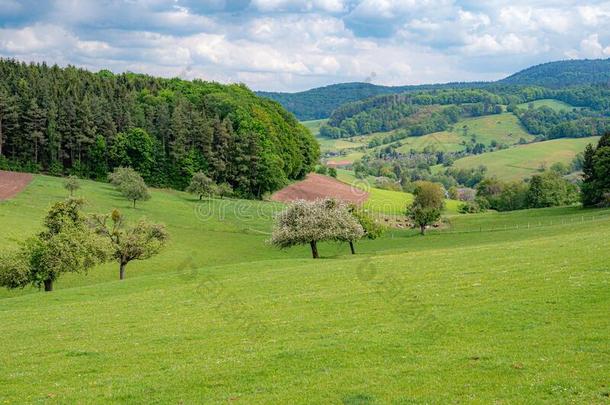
(320,102)
(523,161)
(500,307)
(502,128)
(563,73)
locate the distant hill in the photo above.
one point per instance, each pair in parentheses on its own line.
(321,102)
(563,73)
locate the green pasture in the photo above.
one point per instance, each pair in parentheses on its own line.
(556,105)
(526,160)
(486,310)
(502,128)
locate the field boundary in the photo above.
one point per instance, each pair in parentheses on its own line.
(529,226)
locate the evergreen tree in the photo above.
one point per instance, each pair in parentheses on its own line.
(70,120)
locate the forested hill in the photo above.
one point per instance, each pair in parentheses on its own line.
(563,73)
(427,112)
(321,102)
(68,120)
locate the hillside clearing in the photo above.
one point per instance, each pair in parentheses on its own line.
(502,128)
(524,161)
(556,105)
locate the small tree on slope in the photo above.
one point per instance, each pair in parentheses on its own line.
(71,184)
(138,242)
(312,222)
(427,206)
(372,229)
(65,246)
(201,185)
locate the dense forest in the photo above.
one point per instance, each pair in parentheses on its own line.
(68,120)
(563,73)
(431,111)
(321,102)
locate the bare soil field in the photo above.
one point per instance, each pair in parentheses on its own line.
(11,183)
(316,186)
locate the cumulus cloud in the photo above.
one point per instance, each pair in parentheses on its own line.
(297,44)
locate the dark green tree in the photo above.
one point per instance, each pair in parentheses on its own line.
(427,206)
(66,245)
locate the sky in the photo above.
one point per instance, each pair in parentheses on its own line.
(290,45)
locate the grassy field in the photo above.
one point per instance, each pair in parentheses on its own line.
(350,157)
(314,125)
(492,312)
(386,201)
(336,145)
(326,144)
(503,128)
(525,160)
(556,105)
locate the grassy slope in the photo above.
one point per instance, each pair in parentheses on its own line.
(386,201)
(326,144)
(525,160)
(503,128)
(506,316)
(551,103)
(314,125)
(199,231)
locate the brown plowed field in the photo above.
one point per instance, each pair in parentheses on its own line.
(316,186)
(11,183)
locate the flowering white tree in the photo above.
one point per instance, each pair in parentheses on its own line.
(306,222)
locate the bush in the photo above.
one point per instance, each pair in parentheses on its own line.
(471,207)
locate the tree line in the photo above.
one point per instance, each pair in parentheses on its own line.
(71,121)
(411,112)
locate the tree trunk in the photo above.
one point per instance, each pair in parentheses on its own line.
(122,271)
(48,285)
(423,229)
(314,249)
(351,246)
(134,203)
(200,197)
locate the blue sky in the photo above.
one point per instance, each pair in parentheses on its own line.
(291,45)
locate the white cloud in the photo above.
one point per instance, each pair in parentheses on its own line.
(590,47)
(298,44)
(331,6)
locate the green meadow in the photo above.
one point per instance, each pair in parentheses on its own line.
(327,144)
(556,105)
(502,128)
(386,202)
(526,160)
(314,126)
(494,308)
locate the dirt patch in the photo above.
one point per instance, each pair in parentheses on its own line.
(12,183)
(316,186)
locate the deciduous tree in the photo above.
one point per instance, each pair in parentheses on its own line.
(138,242)
(71,184)
(65,246)
(427,206)
(306,222)
(201,185)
